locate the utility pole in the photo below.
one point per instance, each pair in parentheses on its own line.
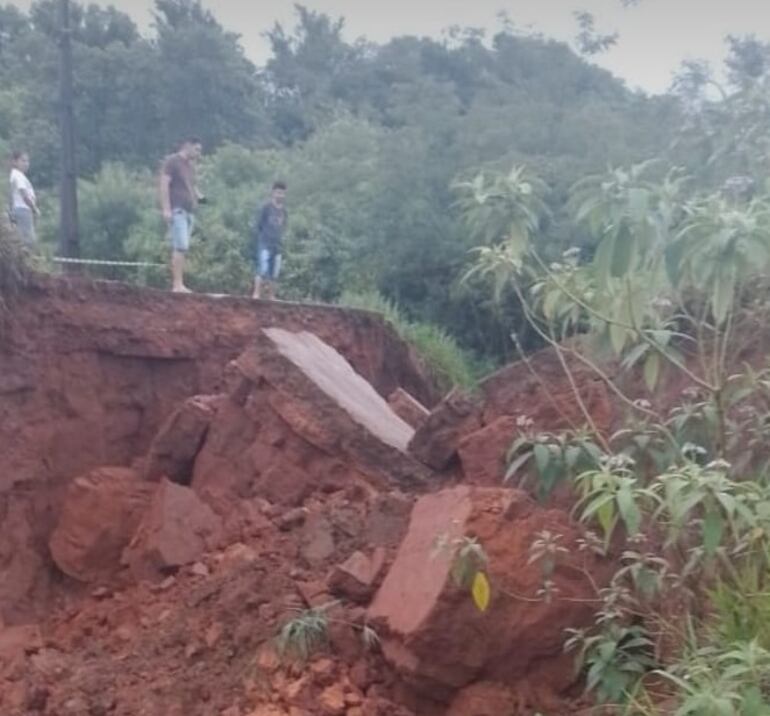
(69,243)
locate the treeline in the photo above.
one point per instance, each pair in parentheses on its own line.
(370,138)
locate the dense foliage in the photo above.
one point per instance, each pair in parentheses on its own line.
(671,286)
(369,137)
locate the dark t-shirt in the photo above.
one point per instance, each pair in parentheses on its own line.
(181,189)
(270,227)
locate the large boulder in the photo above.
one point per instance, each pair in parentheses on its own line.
(173,451)
(100,514)
(299,419)
(515,401)
(482,453)
(435,442)
(176,530)
(432,632)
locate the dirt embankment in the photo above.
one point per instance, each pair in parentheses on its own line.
(88,372)
(184,476)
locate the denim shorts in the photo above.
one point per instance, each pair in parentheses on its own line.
(180,230)
(268,264)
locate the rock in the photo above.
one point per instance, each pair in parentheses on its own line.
(347,519)
(300,693)
(513,397)
(177,529)
(324,671)
(547,399)
(292,518)
(388,519)
(294,711)
(37,699)
(317,540)
(239,555)
(268,710)
(435,442)
(126,632)
(247,520)
(101,513)
(200,570)
(431,631)
(179,440)
(314,594)
(411,411)
(53,664)
(356,577)
(328,404)
(213,634)
(165,585)
(25,571)
(484,699)
(16,641)
(353,699)
(192,650)
(332,701)
(482,453)
(268,659)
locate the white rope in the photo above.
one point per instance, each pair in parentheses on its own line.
(97,262)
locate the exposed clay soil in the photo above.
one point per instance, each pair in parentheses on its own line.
(183,475)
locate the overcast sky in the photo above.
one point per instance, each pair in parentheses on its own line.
(655,35)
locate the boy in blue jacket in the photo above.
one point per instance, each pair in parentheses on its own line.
(268,233)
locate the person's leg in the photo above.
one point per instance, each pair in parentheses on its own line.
(177,272)
(180,244)
(275,272)
(25,226)
(261,270)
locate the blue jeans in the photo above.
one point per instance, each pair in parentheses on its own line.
(268,264)
(181,228)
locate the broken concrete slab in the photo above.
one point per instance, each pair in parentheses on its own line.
(319,395)
(409,409)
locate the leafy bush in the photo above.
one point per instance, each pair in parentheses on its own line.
(741,607)
(723,680)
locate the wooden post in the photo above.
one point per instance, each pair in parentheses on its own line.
(69,242)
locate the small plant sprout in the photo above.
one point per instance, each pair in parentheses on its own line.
(547,551)
(307,633)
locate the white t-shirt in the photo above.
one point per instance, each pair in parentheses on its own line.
(20,182)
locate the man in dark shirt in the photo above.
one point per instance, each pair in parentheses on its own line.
(179,198)
(269,228)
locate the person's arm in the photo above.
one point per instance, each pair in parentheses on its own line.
(261,223)
(164,194)
(29,200)
(199,195)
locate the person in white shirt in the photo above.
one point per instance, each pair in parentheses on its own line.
(23,201)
